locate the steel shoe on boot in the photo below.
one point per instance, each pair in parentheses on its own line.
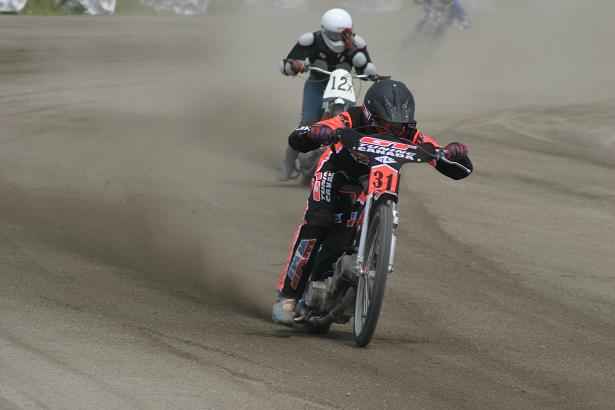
(283,311)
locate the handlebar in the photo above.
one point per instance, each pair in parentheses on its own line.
(364,77)
(439,154)
(430,152)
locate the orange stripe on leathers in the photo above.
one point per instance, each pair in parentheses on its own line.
(342,120)
(291,247)
(420,138)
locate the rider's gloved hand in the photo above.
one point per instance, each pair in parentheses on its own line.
(347,37)
(297,66)
(322,134)
(455,151)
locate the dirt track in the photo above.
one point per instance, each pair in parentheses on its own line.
(142,227)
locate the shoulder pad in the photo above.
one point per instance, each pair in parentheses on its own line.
(370,69)
(359,42)
(306,39)
(359,59)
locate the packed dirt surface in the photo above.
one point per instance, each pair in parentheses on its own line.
(142,224)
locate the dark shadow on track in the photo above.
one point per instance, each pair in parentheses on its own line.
(135,234)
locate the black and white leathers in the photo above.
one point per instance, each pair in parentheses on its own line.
(312,47)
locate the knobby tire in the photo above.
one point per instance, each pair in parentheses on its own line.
(378,246)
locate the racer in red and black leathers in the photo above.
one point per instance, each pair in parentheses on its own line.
(330,215)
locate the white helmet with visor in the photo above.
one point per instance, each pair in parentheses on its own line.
(336,25)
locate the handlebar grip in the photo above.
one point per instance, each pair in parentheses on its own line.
(441,156)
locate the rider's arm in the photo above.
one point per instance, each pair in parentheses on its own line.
(361,61)
(308,138)
(303,49)
(450,170)
(301,140)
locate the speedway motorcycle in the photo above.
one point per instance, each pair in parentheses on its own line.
(356,289)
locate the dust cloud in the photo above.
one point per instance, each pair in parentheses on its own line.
(155,142)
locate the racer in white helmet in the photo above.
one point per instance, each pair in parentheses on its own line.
(335,45)
(452,12)
(336,29)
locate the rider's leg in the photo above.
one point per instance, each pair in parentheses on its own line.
(311,112)
(301,258)
(459,15)
(295,273)
(332,248)
(289,168)
(318,220)
(341,233)
(311,109)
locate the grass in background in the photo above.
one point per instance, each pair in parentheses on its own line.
(42,8)
(123,7)
(135,8)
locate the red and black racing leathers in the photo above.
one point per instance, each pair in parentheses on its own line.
(332,211)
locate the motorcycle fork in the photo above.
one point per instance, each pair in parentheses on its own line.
(360,267)
(394,237)
(360,262)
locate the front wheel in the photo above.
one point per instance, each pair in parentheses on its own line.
(371,283)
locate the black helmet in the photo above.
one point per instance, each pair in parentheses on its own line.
(390,101)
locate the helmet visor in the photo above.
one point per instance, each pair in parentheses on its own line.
(399,130)
(333,35)
(338,35)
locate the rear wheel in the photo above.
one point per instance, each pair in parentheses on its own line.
(371,284)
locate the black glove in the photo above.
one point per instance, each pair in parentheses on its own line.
(428,149)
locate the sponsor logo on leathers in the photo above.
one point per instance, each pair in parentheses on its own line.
(384,159)
(386,148)
(300,259)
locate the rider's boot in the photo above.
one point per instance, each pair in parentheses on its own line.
(283,311)
(289,169)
